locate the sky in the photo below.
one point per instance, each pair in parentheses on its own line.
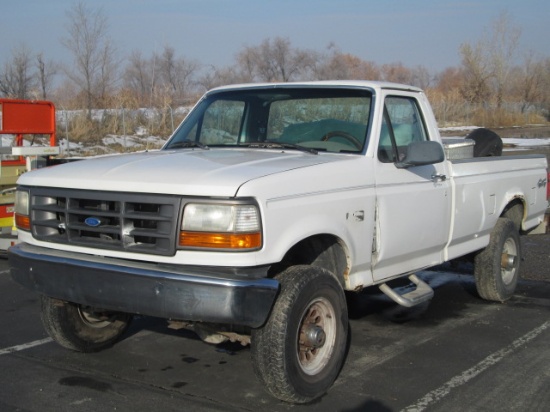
(412,32)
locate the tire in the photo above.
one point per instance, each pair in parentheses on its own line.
(496,268)
(515,214)
(80,328)
(487,142)
(293,366)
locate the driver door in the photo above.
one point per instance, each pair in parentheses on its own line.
(413,204)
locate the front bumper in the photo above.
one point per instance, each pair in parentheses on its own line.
(201,294)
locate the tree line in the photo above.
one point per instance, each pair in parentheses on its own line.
(489,85)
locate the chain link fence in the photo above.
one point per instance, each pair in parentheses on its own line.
(115,130)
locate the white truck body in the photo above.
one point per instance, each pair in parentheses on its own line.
(421,223)
(388,219)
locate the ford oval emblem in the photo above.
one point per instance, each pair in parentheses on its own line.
(93,221)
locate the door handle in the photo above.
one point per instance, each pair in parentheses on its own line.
(438,178)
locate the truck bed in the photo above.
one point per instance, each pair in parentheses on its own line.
(483,187)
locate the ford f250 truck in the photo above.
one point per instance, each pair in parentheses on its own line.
(266,204)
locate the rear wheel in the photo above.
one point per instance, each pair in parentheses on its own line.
(82,328)
(497,266)
(515,214)
(299,352)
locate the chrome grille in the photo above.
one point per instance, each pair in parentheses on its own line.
(140,223)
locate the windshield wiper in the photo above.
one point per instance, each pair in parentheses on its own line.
(188,143)
(270,144)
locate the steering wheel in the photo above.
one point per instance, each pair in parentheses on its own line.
(353,140)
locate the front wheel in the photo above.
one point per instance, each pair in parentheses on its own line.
(81,328)
(496,268)
(299,352)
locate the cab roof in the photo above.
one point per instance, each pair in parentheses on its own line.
(374,85)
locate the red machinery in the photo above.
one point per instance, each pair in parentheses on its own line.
(19,118)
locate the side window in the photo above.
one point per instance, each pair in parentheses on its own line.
(402,124)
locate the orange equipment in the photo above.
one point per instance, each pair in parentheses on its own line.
(21,117)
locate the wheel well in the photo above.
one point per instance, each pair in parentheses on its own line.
(325,251)
(515,212)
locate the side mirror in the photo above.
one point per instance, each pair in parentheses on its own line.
(421,154)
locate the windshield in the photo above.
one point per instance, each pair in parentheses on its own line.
(324,119)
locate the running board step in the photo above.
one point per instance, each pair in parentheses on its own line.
(422,293)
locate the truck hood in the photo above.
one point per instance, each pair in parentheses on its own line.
(186,172)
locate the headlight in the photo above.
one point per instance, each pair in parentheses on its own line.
(221,226)
(22,207)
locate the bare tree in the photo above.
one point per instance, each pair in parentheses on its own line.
(108,73)
(532,81)
(214,77)
(138,76)
(421,77)
(449,80)
(176,74)
(396,72)
(504,42)
(546,85)
(337,65)
(246,62)
(167,68)
(93,53)
(46,70)
(477,73)
(275,61)
(487,64)
(17,80)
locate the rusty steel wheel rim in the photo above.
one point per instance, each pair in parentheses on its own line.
(508,261)
(94,319)
(316,336)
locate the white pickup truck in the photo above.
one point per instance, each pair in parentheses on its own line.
(267,203)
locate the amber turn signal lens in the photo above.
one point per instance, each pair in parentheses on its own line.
(22,222)
(221,240)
